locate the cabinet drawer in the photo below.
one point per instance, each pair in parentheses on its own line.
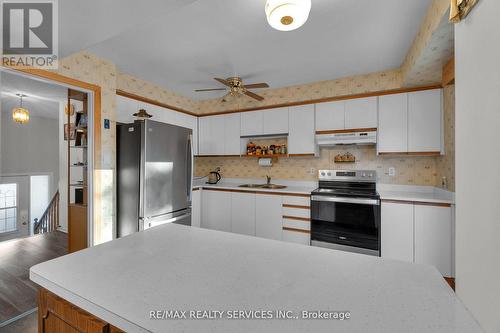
(296,224)
(297,201)
(296,212)
(296,237)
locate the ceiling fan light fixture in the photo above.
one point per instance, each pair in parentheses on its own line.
(287,15)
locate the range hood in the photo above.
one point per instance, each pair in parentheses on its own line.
(348,138)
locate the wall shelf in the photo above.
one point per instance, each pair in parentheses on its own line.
(267,156)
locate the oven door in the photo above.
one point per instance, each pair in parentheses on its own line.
(347,221)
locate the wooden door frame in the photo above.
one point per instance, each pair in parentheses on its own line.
(95,203)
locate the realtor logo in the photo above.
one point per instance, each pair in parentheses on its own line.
(29,33)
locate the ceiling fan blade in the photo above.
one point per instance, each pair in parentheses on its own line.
(255,96)
(199,90)
(224,82)
(256,85)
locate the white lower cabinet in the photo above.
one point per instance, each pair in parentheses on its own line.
(268,216)
(433,237)
(419,233)
(196,209)
(397,231)
(296,237)
(243,213)
(214,211)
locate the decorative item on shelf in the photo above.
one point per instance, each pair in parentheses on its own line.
(142,114)
(69,111)
(20,114)
(283,150)
(251,148)
(258,150)
(69,131)
(345,158)
(81,121)
(287,15)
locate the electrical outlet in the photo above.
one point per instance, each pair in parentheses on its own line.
(392,172)
(312,171)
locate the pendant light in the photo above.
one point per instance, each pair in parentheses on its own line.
(20,114)
(287,15)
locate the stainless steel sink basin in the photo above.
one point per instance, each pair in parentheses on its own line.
(267,186)
(273,186)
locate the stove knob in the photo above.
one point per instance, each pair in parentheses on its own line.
(329,174)
(364,174)
(322,173)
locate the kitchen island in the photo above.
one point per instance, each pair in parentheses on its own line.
(132,283)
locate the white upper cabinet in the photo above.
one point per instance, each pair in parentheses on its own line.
(232,140)
(252,123)
(396,239)
(275,121)
(211,135)
(330,116)
(425,121)
(393,123)
(361,113)
(433,237)
(301,130)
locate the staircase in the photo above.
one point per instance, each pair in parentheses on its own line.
(50,218)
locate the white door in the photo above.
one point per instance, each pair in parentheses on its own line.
(232,141)
(301,130)
(14,207)
(424,121)
(275,121)
(252,123)
(330,116)
(393,124)
(268,216)
(361,113)
(433,237)
(243,213)
(397,231)
(215,211)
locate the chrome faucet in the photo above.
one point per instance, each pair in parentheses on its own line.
(268,179)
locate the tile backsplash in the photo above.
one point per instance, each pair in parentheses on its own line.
(410,170)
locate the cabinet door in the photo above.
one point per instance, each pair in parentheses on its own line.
(393,123)
(268,216)
(424,121)
(211,135)
(243,213)
(433,237)
(252,123)
(194,126)
(215,213)
(196,209)
(330,116)
(361,113)
(275,121)
(232,134)
(301,130)
(397,231)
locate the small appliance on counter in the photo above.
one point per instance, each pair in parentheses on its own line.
(345,211)
(214,177)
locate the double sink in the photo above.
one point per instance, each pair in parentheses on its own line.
(266,186)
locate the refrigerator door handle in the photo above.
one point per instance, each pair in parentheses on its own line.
(190,160)
(153,223)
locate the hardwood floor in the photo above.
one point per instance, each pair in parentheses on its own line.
(17,293)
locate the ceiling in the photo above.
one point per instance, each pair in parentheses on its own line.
(182,44)
(42,98)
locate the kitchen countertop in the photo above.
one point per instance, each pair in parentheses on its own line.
(174,267)
(415,193)
(293,187)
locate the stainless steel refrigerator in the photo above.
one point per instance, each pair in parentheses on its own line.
(154,175)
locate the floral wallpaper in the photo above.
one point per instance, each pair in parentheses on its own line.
(446,163)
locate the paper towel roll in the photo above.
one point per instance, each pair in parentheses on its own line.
(266,162)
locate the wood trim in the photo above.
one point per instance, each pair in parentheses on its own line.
(302,219)
(196,189)
(449,73)
(139,98)
(296,206)
(327,99)
(413,153)
(297,230)
(353,130)
(451,282)
(419,203)
(302,155)
(219,156)
(257,192)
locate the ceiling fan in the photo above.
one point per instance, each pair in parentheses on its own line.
(236,87)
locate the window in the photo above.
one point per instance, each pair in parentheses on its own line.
(8,207)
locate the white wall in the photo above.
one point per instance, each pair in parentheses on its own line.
(477,55)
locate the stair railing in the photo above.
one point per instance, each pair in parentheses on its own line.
(50,218)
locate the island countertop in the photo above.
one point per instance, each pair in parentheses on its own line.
(174,267)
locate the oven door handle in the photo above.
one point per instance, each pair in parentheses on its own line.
(362,201)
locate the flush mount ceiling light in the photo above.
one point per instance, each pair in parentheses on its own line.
(20,114)
(287,15)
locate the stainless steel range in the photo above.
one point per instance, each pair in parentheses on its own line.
(345,211)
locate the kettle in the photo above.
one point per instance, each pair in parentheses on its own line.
(214,177)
